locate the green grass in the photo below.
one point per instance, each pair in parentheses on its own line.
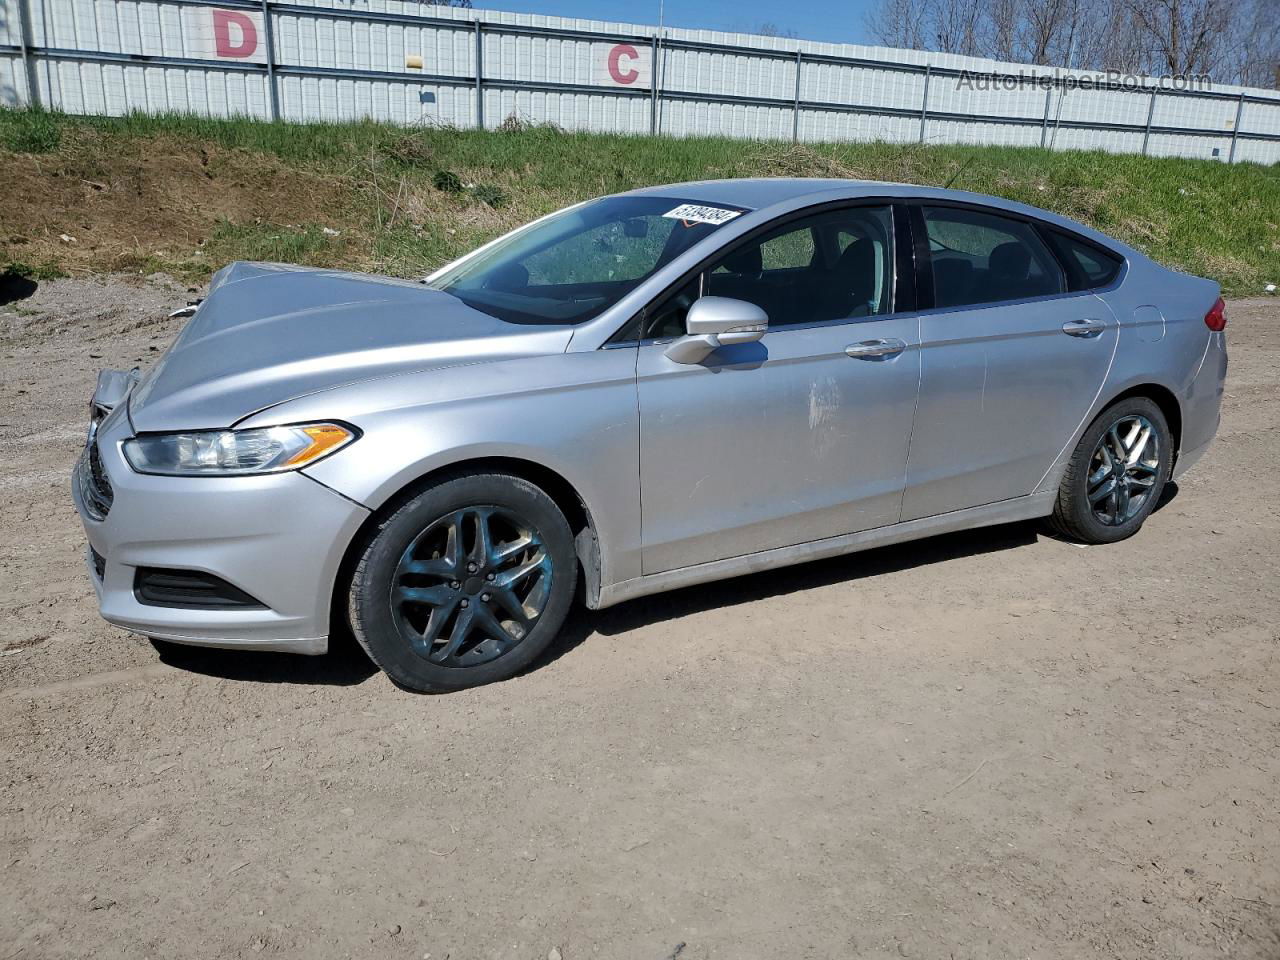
(265,241)
(29,131)
(1201,216)
(41,271)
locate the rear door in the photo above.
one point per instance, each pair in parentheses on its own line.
(1010,360)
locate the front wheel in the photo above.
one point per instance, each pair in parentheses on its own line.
(465,584)
(1116,474)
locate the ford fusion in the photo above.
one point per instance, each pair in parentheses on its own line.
(637,393)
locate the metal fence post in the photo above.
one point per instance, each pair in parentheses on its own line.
(657,86)
(795,116)
(653,85)
(1044,124)
(1235,129)
(924,99)
(479,77)
(28,58)
(1151,112)
(269,31)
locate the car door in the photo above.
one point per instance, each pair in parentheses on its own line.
(1010,360)
(800,436)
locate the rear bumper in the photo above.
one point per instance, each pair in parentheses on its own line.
(1188,459)
(280,538)
(1202,404)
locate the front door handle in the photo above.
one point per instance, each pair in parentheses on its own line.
(874,349)
(1083,328)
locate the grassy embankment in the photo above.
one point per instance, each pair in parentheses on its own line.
(184,195)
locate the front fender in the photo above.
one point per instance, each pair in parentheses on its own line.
(574,414)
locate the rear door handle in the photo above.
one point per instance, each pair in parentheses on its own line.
(874,349)
(1083,328)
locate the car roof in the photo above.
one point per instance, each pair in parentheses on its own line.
(760,193)
(757,193)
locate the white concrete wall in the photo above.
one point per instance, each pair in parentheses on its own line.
(424,69)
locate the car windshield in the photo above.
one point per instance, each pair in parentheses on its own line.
(574,264)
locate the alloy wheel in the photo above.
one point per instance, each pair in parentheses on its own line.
(471,586)
(1123,470)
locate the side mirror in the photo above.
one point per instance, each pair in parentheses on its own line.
(715,322)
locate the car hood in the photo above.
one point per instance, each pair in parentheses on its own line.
(268,333)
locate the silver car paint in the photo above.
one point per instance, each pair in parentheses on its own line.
(273,536)
(1000,388)
(1180,359)
(574,414)
(269,332)
(774,443)
(801,452)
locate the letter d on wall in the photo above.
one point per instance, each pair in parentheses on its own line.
(235,35)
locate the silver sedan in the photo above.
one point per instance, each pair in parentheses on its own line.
(637,393)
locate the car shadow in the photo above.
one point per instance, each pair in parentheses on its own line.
(15,286)
(1166,496)
(346,663)
(671,605)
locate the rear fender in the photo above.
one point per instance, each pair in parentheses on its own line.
(1163,341)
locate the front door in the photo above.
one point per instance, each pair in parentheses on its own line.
(799,437)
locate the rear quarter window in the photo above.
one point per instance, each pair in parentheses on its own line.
(1091,266)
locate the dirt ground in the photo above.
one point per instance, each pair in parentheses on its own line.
(993,744)
(120,204)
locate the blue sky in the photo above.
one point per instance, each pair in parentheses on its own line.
(827,20)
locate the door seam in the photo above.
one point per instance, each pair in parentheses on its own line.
(915,412)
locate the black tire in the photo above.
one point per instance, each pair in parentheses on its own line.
(1074,515)
(395,633)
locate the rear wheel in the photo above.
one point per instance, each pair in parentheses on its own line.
(465,584)
(1116,474)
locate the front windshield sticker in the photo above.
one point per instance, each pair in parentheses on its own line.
(696,213)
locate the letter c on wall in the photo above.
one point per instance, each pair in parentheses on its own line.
(223,44)
(629,74)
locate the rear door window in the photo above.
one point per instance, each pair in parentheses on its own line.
(979,257)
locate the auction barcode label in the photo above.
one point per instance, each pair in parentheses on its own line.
(700,214)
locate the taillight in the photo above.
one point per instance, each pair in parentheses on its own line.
(1216,318)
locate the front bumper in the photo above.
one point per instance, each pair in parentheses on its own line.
(279,538)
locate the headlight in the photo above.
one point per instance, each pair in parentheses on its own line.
(235,452)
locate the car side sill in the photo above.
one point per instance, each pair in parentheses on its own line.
(1006,511)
